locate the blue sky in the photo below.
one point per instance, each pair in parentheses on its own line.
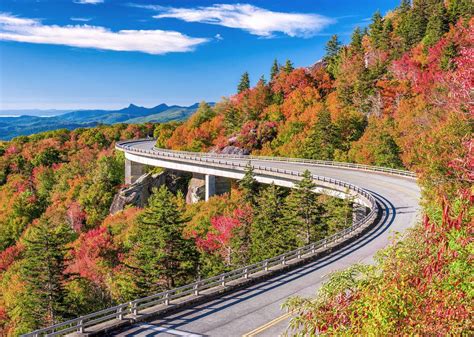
(67,54)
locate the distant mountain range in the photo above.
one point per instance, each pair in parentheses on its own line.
(26,124)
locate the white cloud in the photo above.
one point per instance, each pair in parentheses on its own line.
(88,2)
(85,36)
(81,19)
(218,37)
(255,20)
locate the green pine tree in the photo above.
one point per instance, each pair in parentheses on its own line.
(322,140)
(450,52)
(232,120)
(275,69)
(337,214)
(244,83)
(270,234)
(385,43)
(288,66)
(304,211)
(356,40)
(410,27)
(437,25)
(333,46)
(460,8)
(240,242)
(376,30)
(203,114)
(249,186)
(161,258)
(43,272)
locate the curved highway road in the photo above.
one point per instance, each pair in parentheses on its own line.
(255,311)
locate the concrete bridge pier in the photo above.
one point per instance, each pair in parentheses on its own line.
(133,171)
(215,186)
(204,186)
(359,212)
(210,183)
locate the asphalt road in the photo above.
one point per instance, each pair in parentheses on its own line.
(255,311)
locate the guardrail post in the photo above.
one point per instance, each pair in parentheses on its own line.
(313,248)
(120,313)
(196,289)
(134,309)
(266,265)
(299,253)
(80,325)
(283,260)
(246,273)
(223,281)
(167,298)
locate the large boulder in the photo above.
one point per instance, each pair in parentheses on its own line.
(234,150)
(137,194)
(196,190)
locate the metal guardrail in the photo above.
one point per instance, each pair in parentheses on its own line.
(315,162)
(133,308)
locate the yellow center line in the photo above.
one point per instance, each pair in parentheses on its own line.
(277,320)
(268,325)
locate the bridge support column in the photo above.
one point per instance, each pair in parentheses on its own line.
(210,186)
(359,212)
(133,171)
(204,186)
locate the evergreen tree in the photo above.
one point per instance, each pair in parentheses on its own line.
(240,242)
(232,119)
(161,258)
(244,83)
(249,186)
(322,140)
(288,66)
(275,69)
(203,114)
(412,25)
(387,34)
(270,234)
(356,41)
(437,25)
(376,30)
(459,8)
(450,52)
(43,272)
(333,46)
(303,210)
(337,214)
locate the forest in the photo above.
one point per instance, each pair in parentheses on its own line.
(398,95)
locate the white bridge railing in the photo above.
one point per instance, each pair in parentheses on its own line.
(132,309)
(315,162)
(125,145)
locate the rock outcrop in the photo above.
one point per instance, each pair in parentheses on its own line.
(137,194)
(233,150)
(196,190)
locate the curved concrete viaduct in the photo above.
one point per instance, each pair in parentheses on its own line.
(253,309)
